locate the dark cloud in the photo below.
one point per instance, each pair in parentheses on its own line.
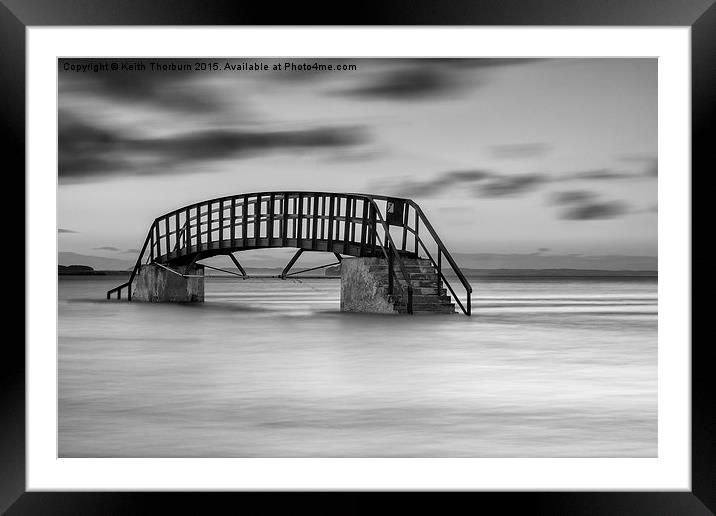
(539,251)
(482,183)
(440,183)
(105,248)
(426,78)
(418,189)
(586,205)
(132,251)
(519,150)
(214,144)
(602,174)
(572,196)
(467,175)
(62,230)
(607,174)
(582,204)
(504,186)
(408,84)
(595,210)
(175,90)
(85,149)
(89,151)
(352,156)
(463,63)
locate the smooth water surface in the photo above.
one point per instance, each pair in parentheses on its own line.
(271,368)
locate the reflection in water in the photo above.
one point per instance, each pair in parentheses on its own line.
(271,368)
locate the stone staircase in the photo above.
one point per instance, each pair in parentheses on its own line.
(424,278)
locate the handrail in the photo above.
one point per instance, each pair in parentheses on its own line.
(442,250)
(135,270)
(394,251)
(298,219)
(437,264)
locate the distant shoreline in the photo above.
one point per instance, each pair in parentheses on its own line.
(551,273)
(94,273)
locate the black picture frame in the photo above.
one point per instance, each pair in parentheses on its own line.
(16,15)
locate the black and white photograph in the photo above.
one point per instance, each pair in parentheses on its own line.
(359,257)
(290,256)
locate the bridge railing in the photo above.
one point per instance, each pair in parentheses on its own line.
(417,237)
(390,251)
(135,270)
(349,224)
(441,251)
(352,224)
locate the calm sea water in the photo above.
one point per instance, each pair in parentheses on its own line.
(271,368)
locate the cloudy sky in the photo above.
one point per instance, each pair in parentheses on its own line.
(504,155)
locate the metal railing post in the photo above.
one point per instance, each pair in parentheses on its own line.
(269,222)
(151,248)
(440,269)
(176,232)
(187,231)
(417,231)
(390,271)
(257,219)
(232,221)
(284,219)
(245,221)
(166,235)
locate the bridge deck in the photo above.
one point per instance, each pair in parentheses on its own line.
(206,250)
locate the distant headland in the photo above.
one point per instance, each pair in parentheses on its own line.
(85,270)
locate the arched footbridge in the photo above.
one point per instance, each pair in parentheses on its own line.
(391,229)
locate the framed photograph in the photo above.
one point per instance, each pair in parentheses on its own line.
(429,252)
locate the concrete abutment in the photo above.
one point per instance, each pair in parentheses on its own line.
(361,288)
(158,284)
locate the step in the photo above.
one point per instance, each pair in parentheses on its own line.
(413,276)
(424,280)
(442,309)
(416,283)
(406,261)
(429,290)
(421,298)
(409,269)
(413,264)
(426,300)
(427,305)
(429,298)
(423,275)
(418,290)
(421,301)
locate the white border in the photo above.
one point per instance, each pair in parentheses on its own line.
(671,470)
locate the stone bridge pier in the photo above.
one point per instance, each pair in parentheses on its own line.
(162,284)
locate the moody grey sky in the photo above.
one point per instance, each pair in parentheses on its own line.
(504,155)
